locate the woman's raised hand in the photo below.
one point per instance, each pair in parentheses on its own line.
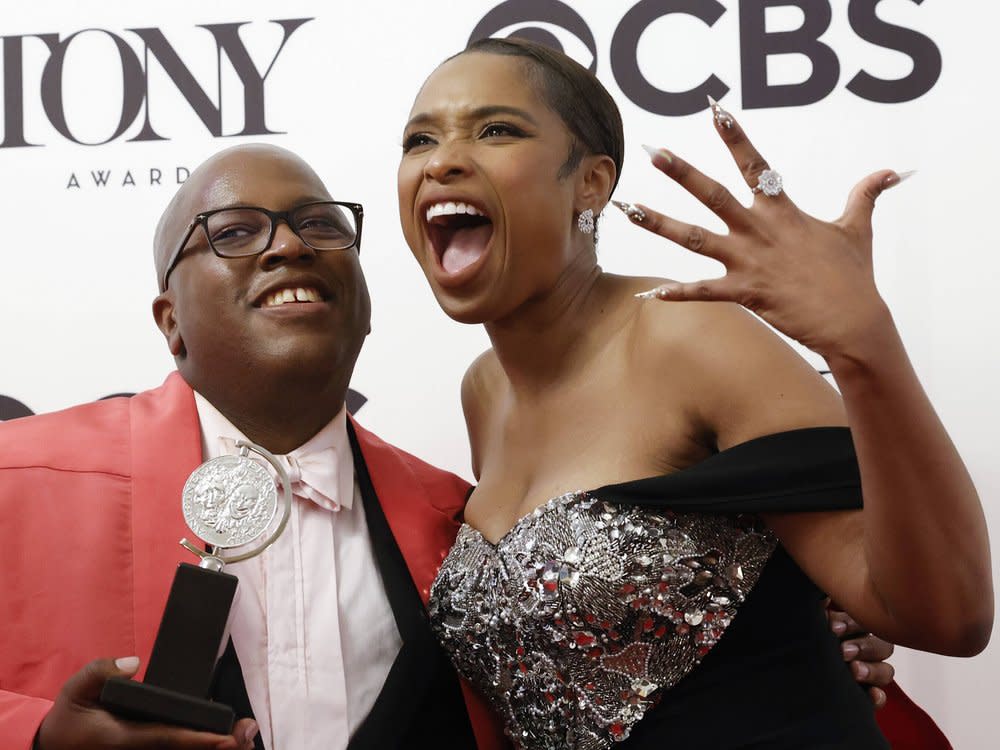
(810,279)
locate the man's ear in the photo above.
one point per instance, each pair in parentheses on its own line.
(595,179)
(166,321)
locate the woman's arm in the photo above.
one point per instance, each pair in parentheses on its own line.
(914,566)
(919,496)
(919,547)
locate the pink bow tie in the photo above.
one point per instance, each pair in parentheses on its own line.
(313,476)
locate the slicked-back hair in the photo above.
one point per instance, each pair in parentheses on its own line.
(573,93)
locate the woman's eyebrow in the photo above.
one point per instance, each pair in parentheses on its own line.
(500,109)
(478,113)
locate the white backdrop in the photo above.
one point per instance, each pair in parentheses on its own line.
(76,276)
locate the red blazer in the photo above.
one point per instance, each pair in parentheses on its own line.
(69,527)
(90,520)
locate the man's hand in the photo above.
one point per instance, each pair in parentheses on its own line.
(77,722)
(865,653)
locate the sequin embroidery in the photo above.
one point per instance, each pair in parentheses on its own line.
(576,621)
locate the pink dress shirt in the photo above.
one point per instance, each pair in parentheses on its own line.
(312,625)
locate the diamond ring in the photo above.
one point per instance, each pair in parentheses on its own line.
(768,183)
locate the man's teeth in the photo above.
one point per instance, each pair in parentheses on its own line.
(299,294)
(449,209)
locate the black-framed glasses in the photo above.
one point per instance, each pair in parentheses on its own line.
(245,231)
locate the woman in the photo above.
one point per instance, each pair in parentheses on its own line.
(595,616)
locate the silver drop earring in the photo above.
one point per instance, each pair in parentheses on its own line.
(585,221)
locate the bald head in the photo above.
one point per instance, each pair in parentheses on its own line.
(224,180)
(269,338)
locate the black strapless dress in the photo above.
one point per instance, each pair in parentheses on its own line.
(660,612)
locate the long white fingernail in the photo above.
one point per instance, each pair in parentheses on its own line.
(655,293)
(894,179)
(631,210)
(662,153)
(127,664)
(722,117)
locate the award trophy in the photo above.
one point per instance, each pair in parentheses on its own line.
(231,503)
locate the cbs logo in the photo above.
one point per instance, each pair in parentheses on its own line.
(552,22)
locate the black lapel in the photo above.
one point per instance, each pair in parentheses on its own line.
(421,697)
(407,607)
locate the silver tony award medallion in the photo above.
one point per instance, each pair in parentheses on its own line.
(233,504)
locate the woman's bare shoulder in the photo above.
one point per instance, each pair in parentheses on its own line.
(482,377)
(480,385)
(695,328)
(742,380)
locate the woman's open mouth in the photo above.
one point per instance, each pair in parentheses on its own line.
(459,232)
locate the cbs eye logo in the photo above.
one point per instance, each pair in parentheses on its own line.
(518,15)
(557,25)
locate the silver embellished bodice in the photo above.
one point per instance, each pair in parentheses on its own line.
(578,618)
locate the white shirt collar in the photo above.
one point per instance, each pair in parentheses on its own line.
(334,435)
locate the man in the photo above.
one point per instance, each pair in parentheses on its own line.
(330,645)
(265,345)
